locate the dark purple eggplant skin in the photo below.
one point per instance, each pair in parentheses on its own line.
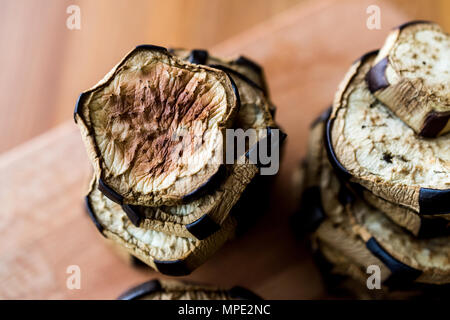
(133,214)
(376,77)
(340,170)
(77,106)
(141,290)
(434,201)
(212,184)
(109,192)
(434,123)
(172,268)
(244,61)
(91,215)
(431,228)
(203,227)
(401,273)
(151,47)
(198,56)
(230,71)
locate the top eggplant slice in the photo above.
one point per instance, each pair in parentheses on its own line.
(177,290)
(411,76)
(370,146)
(154,127)
(201,216)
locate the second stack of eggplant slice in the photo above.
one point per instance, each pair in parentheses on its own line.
(375,192)
(172,216)
(371,147)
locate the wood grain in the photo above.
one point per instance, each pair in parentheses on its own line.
(44,229)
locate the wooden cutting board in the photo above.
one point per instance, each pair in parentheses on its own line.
(43,227)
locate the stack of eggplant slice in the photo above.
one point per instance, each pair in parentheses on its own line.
(155,132)
(376,178)
(159,289)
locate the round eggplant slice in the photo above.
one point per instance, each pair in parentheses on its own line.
(159,289)
(166,253)
(201,216)
(411,76)
(420,226)
(154,127)
(407,258)
(368,145)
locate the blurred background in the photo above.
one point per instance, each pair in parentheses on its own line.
(44,65)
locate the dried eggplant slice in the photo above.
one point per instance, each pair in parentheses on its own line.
(166,253)
(420,226)
(426,259)
(154,126)
(408,259)
(161,289)
(203,216)
(370,146)
(411,76)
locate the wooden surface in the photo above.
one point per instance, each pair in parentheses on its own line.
(43,230)
(45,65)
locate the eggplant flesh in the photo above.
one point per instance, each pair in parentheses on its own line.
(411,76)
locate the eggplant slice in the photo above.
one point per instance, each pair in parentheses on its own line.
(371,147)
(159,289)
(411,76)
(367,236)
(164,252)
(360,231)
(344,277)
(201,216)
(154,127)
(421,226)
